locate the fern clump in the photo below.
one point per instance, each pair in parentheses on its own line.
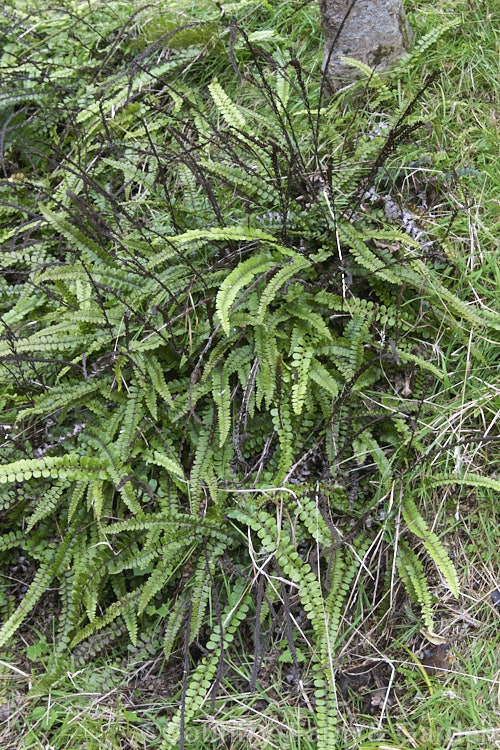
(203,335)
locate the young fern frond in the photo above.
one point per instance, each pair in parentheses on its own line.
(231,113)
(419,527)
(469,480)
(236,281)
(412,573)
(221,393)
(175,621)
(294,268)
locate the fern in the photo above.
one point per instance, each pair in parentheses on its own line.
(201,679)
(301,363)
(412,574)
(202,584)
(201,305)
(278,280)
(247,182)
(229,111)
(175,621)
(58,467)
(167,462)
(469,480)
(283,426)
(266,350)
(416,55)
(222,397)
(419,527)
(320,375)
(44,576)
(234,283)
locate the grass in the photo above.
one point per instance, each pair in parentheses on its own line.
(448,179)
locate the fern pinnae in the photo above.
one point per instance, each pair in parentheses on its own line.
(90,249)
(221,393)
(324,379)
(431,542)
(56,559)
(202,584)
(310,516)
(176,618)
(301,363)
(160,576)
(230,113)
(115,610)
(469,480)
(202,458)
(157,377)
(293,268)
(200,681)
(412,573)
(266,350)
(234,283)
(169,463)
(48,504)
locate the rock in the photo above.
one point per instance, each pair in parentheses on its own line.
(375,32)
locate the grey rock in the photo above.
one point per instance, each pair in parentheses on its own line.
(375,32)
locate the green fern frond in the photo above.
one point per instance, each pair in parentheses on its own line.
(301,363)
(221,393)
(313,521)
(161,575)
(115,610)
(234,283)
(202,582)
(70,466)
(168,463)
(283,425)
(201,678)
(469,480)
(324,379)
(419,527)
(47,504)
(176,618)
(253,185)
(266,350)
(279,279)
(412,574)
(416,55)
(132,415)
(44,576)
(230,112)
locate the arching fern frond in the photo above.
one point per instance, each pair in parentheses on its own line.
(236,281)
(419,527)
